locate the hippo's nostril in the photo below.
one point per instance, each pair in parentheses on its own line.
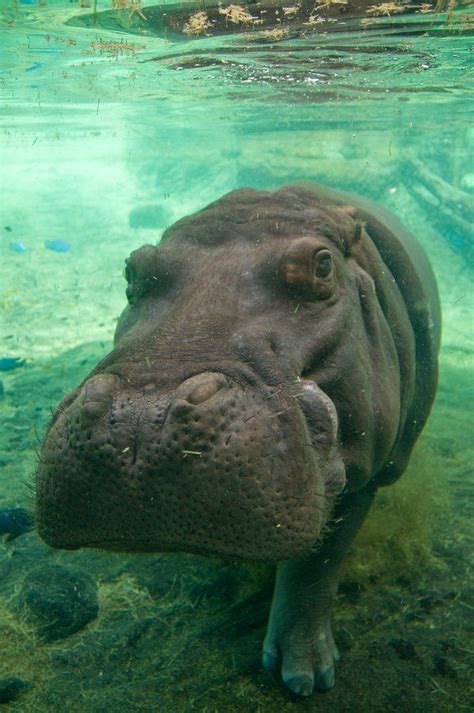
(93,410)
(203,392)
(200,388)
(101,387)
(96,396)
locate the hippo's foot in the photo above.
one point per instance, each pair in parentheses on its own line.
(302,649)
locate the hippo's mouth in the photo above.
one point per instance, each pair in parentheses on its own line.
(211,469)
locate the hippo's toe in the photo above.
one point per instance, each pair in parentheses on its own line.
(304,655)
(300,685)
(325,677)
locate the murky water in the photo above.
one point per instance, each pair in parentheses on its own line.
(112,129)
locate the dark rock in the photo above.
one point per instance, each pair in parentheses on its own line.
(443,667)
(350,590)
(15,522)
(405,649)
(344,639)
(11,687)
(59,600)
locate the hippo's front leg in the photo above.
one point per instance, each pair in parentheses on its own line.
(299,639)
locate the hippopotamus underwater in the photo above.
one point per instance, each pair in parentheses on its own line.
(275,365)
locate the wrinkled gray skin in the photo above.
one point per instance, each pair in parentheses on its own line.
(275,364)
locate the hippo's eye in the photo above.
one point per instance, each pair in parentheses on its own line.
(322,265)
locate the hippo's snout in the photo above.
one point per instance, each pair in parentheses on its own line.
(210,467)
(103,395)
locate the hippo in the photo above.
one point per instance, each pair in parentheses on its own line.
(273,368)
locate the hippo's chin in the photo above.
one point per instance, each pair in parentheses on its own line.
(282,544)
(278,552)
(253,520)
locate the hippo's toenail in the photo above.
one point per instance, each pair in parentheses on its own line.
(325,678)
(270,661)
(301,685)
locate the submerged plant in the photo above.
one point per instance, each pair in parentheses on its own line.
(237,14)
(386,8)
(197,24)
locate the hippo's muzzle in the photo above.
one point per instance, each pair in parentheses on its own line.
(210,466)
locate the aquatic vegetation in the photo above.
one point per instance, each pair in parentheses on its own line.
(237,14)
(126,594)
(330,3)
(21,652)
(315,19)
(197,24)
(114,47)
(291,10)
(397,537)
(135,7)
(279,33)
(386,8)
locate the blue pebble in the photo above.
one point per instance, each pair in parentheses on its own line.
(60,246)
(17,247)
(10,363)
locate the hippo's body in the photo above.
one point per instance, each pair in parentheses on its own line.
(276,363)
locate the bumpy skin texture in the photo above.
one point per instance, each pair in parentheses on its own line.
(275,364)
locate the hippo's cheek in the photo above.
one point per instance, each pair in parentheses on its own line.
(234,480)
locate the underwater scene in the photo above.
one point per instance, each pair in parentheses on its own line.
(237,505)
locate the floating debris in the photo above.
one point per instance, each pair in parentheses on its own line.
(35,65)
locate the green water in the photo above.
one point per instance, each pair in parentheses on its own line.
(106,138)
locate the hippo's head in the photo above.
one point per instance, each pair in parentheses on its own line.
(214,426)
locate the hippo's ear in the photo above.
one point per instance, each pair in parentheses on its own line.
(359,227)
(353,229)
